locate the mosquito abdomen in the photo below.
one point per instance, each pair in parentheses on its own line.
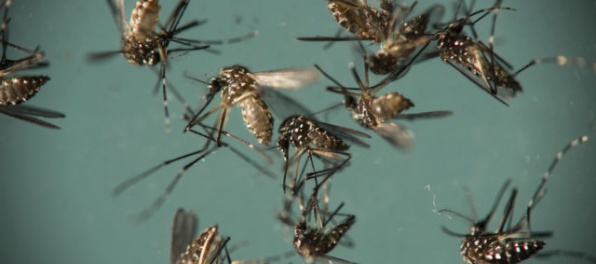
(145,17)
(15,90)
(363,21)
(139,46)
(390,104)
(487,249)
(257,118)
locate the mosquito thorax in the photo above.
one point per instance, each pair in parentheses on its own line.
(235,81)
(382,63)
(144,52)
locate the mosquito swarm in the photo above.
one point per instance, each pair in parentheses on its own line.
(365,96)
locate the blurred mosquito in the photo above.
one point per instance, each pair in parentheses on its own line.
(372,112)
(316,233)
(403,36)
(199,155)
(146,42)
(363,21)
(240,86)
(207,248)
(17,89)
(507,244)
(399,37)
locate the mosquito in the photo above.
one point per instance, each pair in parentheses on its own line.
(315,138)
(372,111)
(17,89)
(207,248)
(399,37)
(471,57)
(363,21)
(238,85)
(480,63)
(403,36)
(507,244)
(198,155)
(146,42)
(316,233)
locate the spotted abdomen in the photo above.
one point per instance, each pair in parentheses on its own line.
(257,118)
(488,250)
(15,90)
(363,21)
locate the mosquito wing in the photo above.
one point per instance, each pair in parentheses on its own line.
(349,134)
(431,114)
(284,106)
(117,9)
(29,114)
(433,14)
(184,229)
(292,78)
(480,82)
(325,259)
(399,136)
(33,111)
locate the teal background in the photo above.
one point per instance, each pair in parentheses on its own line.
(55,200)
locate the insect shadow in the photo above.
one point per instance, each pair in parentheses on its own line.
(17,89)
(509,244)
(372,111)
(146,42)
(198,155)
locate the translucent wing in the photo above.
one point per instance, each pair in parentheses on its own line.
(284,106)
(29,114)
(395,134)
(431,114)
(184,230)
(345,133)
(292,78)
(434,14)
(117,9)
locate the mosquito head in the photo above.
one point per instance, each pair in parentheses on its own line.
(215,86)
(477,229)
(350,102)
(456,27)
(301,241)
(299,230)
(283,145)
